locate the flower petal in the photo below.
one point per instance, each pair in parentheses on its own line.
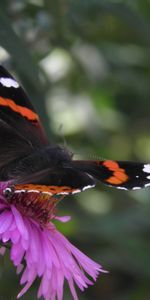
(20,223)
(5,221)
(46,252)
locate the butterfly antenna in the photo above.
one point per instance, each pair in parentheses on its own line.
(61,131)
(90,156)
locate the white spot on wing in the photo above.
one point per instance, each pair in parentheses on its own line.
(63,193)
(19,191)
(137,176)
(76,191)
(9,82)
(32,191)
(122,188)
(148,177)
(147,184)
(88,187)
(48,193)
(137,188)
(146,168)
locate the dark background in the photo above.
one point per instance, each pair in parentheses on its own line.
(86,67)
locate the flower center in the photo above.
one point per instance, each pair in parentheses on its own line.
(37,205)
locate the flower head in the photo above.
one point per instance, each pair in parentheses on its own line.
(46,253)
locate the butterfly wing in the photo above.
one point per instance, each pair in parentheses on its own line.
(21,133)
(55,181)
(120,174)
(20,128)
(37,194)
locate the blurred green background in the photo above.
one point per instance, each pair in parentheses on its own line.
(86,66)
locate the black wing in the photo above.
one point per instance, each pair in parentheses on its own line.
(20,128)
(125,175)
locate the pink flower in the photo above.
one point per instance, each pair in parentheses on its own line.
(44,250)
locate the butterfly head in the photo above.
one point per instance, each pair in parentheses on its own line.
(8,192)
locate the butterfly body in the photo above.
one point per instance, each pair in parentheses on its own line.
(37,160)
(40,173)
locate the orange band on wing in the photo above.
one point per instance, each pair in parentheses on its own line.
(54,190)
(119,176)
(23,111)
(111,165)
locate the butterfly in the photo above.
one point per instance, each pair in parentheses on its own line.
(46,171)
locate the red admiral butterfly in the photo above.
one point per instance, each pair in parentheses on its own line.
(32,165)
